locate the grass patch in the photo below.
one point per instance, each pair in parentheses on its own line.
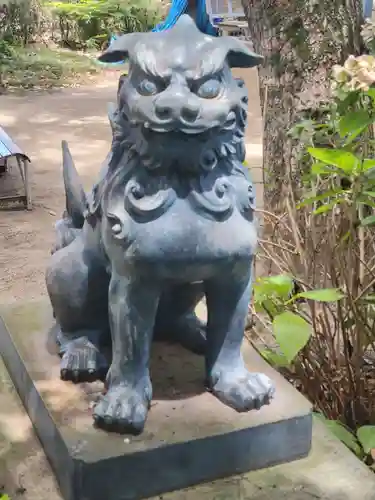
(44,68)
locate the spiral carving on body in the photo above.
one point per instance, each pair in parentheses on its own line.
(148,202)
(213,197)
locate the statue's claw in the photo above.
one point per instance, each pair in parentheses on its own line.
(123,409)
(242,390)
(82,362)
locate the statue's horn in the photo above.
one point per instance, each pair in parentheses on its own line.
(76,200)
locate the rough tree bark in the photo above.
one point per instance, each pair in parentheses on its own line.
(301,40)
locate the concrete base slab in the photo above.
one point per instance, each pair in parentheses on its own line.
(190,437)
(330,472)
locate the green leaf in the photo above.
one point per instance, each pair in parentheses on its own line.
(278,286)
(328,206)
(281,282)
(275,359)
(367,221)
(368,163)
(322,295)
(344,160)
(319,197)
(366,436)
(370,298)
(365,200)
(341,433)
(369,173)
(292,333)
(270,306)
(354,123)
(319,168)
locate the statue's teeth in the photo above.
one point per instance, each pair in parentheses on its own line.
(223,150)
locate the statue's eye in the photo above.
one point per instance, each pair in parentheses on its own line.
(209,89)
(147,87)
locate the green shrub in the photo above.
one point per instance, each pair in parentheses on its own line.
(88,23)
(317,316)
(42,68)
(21,21)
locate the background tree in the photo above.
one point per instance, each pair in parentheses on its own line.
(318,100)
(301,40)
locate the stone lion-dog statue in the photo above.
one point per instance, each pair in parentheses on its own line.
(170,221)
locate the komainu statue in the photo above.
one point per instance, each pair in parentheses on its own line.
(170,220)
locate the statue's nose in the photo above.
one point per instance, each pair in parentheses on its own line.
(177,106)
(190,110)
(164,109)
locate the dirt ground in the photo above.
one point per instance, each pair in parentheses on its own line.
(38,122)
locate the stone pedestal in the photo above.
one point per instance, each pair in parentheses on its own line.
(190,437)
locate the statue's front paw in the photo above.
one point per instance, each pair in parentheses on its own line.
(124,408)
(81,361)
(242,391)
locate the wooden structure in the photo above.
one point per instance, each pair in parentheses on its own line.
(9,150)
(224,9)
(234,27)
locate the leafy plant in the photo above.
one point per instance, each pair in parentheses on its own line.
(361,442)
(316,318)
(292,332)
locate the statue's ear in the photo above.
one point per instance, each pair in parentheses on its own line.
(238,53)
(119,48)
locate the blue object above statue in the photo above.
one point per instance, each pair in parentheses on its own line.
(198,13)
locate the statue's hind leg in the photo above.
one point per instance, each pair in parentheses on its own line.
(176,320)
(81,313)
(82,358)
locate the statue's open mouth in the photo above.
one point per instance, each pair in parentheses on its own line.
(183,127)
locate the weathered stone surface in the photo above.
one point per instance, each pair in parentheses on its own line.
(190,437)
(161,229)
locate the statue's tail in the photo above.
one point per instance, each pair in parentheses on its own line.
(76,200)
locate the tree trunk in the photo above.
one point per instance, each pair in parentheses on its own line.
(301,40)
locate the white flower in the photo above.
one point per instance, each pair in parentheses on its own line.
(350,63)
(339,74)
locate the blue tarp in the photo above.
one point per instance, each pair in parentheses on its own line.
(8,148)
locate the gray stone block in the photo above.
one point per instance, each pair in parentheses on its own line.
(190,437)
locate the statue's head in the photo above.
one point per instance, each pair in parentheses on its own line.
(180,96)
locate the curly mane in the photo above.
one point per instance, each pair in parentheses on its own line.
(126,155)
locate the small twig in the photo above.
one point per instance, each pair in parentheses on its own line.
(276,245)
